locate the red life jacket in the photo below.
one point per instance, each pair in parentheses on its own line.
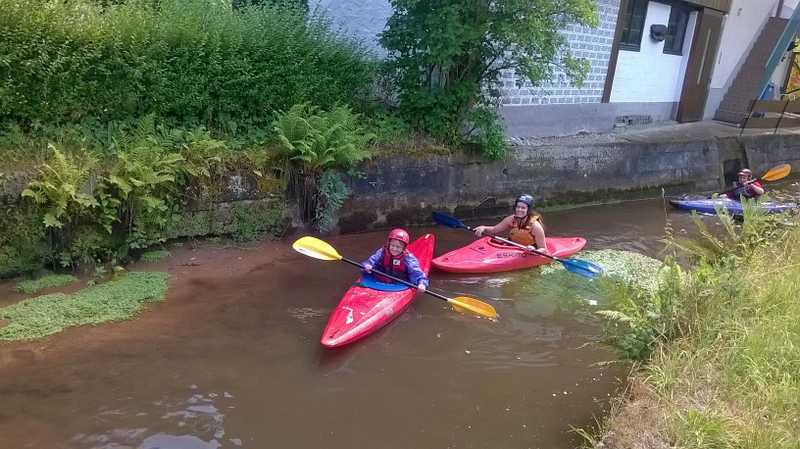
(396,266)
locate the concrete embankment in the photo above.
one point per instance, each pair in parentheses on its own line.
(402,189)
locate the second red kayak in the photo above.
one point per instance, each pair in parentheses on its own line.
(369,305)
(487,256)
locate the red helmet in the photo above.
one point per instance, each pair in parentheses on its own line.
(399,234)
(745,172)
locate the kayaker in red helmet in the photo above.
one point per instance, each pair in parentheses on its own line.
(746,186)
(394,259)
(524,227)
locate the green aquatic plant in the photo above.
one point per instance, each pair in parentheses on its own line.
(29,286)
(627,266)
(154,256)
(116,300)
(552,289)
(632,297)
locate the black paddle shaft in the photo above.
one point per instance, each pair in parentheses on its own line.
(396,279)
(509,242)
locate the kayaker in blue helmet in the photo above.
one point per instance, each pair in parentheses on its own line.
(746,186)
(524,227)
(394,259)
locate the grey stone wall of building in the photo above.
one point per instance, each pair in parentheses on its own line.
(362,19)
(404,189)
(570,119)
(592,44)
(365,19)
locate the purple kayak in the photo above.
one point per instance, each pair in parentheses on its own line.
(709,205)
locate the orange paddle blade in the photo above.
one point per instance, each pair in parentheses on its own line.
(777,172)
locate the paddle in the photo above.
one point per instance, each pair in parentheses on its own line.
(773,174)
(318,249)
(580,267)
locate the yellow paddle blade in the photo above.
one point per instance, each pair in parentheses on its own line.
(465,303)
(316,248)
(777,172)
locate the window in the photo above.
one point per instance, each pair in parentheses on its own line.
(676,30)
(633,25)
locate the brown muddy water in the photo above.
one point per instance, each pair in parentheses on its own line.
(232,359)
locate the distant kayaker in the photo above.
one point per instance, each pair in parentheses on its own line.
(746,186)
(394,259)
(524,227)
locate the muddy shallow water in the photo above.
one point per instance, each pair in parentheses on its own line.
(232,358)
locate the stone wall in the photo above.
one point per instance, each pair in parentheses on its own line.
(403,189)
(366,20)
(592,44)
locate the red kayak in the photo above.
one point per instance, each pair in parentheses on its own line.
(487,256)
(369,304)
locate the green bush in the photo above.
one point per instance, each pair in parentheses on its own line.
(447,58)
(126,192)
(187,61)
(331,196)
(23,246)
(311,143)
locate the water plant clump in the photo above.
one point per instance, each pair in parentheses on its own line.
(116,300)
(154,256)
(29,286)
(626,266)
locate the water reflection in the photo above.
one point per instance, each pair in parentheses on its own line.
(198,422)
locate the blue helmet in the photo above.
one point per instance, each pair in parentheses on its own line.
(525,199)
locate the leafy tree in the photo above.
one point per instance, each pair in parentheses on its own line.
(447,55)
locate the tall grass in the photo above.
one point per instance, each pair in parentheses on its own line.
(724,369)
(184,60)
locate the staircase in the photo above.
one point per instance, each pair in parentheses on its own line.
(745,87)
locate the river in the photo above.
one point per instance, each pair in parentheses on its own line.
(232,358)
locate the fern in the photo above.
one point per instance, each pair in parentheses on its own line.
(312,142)
(60,188)
(316,140)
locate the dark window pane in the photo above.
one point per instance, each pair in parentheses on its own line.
(633,24)
(676,30)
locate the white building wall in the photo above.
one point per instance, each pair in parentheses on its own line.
(788,8)
(741,28)
(649,75)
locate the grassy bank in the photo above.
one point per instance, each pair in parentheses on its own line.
(115,300)
(30,286)
(717,345)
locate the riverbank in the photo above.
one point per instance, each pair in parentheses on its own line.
(719,347)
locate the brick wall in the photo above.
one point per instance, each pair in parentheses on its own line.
(591,44)
(366,19)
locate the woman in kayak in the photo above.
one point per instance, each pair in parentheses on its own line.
(746,186)
(394,259)
(524,227)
